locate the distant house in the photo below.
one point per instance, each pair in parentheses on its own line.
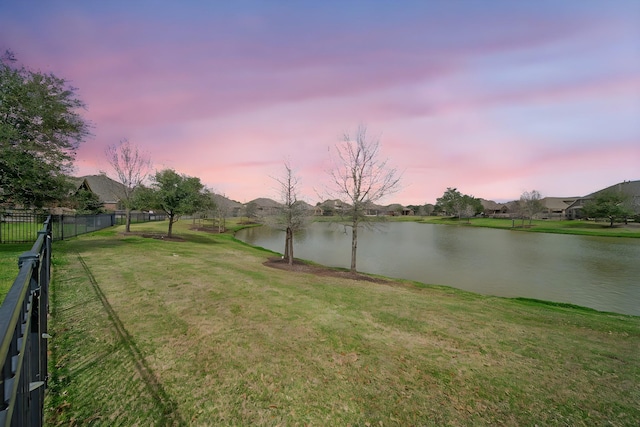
(491,208)
(630,188)
(394,209)
(109,192)
(556,207)
(265,206)
(330,207)
(228,207)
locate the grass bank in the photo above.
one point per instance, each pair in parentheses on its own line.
(200,332)
(587,228)
(9,253)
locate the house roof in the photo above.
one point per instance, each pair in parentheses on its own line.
(225,201)
(630,188)
(332,203)
(304,205)
(557,203)
(491,205)
(394,207)
(108,190)
(265,202)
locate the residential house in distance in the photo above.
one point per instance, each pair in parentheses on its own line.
(109,192)
(493,209)
(329,207)
(265,206)
(227,206)
(397,209)
(555,207)
(630,188)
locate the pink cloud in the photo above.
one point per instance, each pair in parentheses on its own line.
(230,101)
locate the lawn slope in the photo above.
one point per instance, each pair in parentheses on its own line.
(201,332)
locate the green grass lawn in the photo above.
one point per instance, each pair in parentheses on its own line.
(200,332)
(19,231)
(9,253)
(589,228)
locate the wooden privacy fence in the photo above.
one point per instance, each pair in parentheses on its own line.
(23,336)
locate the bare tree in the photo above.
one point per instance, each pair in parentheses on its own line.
(221,210)
(131,168)
(362,178)
(293,214)
(530,204)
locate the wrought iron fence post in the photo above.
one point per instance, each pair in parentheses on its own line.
(23,334)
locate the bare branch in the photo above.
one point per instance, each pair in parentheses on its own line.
(360,177)
(131,168)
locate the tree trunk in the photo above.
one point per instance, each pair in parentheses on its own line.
(127,226)
(286,244)
(290,245)
(170,225)
(354,245)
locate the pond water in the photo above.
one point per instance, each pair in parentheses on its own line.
(598,272)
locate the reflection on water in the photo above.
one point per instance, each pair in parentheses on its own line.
(598,272)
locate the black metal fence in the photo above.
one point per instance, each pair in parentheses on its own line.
(21,226)
(23,336)
(121,217)
(67,226)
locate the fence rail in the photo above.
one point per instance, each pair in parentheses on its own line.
(67,226)
(21,226)
(121,217)
(23,335)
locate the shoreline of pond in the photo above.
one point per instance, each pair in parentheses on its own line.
(572,227)
(537,297)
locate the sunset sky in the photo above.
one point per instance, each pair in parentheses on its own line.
(492,97)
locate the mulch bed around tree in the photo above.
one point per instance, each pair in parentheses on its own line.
(158,236)
(318,270)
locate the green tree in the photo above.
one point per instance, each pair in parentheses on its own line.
(362,178)
(470,207)
(451,202)
(40,131)
(176,195)
(251,210)
(455,203)
(87,202)
(611,205)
